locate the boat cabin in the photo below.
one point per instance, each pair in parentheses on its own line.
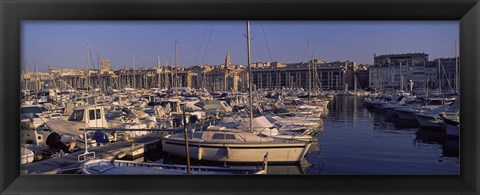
(92,115)
(120,100)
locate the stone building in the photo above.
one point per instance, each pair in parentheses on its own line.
(394,71)
(331,75)
(226,77)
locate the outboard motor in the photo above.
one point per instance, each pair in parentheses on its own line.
(54,140)
(100,137)
(193,119)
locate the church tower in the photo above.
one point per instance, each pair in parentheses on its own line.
(228,62)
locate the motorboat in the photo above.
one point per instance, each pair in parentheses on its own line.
(452,124)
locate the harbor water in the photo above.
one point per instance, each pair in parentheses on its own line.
(356,140)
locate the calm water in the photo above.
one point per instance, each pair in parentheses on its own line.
(356,140)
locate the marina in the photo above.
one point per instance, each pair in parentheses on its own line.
(397,116)
(352,139)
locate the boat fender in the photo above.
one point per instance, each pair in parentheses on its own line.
(228,152)
(200,153)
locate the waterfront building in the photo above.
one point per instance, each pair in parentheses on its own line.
(332,75)
(226,77)
(395,71)
(362,76)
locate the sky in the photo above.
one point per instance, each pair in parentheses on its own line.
(65,44)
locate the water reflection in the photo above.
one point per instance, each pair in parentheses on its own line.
(450,147)
(361,141)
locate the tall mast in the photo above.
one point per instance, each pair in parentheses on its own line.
(158,71)
(456,68)
(401,77)
(439,77)
(98,72)
(134,86)
(36,76)
(87,73)
(24,75)
(170,80)
(175,65)
(250,77)
(309,70)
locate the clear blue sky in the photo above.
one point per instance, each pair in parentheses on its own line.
(62,44)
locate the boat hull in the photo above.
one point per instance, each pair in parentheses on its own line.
(405,115)
(429,122)
(452,128)
(239,152)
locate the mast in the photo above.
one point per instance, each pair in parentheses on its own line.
(24,75)
(175,65)
(250,77)
(168,79)
(309,71)
(87,73)
(158,72)
(456,68)
(439,77)
(134,86)
(401,77)
(185,136)
(98,73)
(36,76)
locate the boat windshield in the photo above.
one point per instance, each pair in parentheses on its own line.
(399,98)
(282,110)
(435,102)
(77,115)
(32,110)
(300,102)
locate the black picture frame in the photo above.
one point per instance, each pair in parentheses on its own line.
(14,11)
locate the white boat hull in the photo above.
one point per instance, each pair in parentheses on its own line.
(239,153)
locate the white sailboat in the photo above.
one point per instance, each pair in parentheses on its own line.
(240,146)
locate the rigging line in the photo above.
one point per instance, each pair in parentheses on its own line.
(201,43)
(208,41)
(268,47)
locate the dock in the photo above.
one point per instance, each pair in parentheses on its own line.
(69,162)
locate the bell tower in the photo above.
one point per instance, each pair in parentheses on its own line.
(228,62)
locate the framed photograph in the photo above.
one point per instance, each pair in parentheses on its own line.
(347,97)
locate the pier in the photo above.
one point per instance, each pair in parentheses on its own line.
(69,162)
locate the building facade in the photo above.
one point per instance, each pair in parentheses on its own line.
(397,71)
(332,75)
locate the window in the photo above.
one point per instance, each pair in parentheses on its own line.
(218,136)
(32,110)
(223,136)
(230,136)
(97,114)
(91,113)
(197,135)
(77,115)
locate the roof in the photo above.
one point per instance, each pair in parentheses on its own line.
(86,107)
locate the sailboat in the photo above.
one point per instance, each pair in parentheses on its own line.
(222,144)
